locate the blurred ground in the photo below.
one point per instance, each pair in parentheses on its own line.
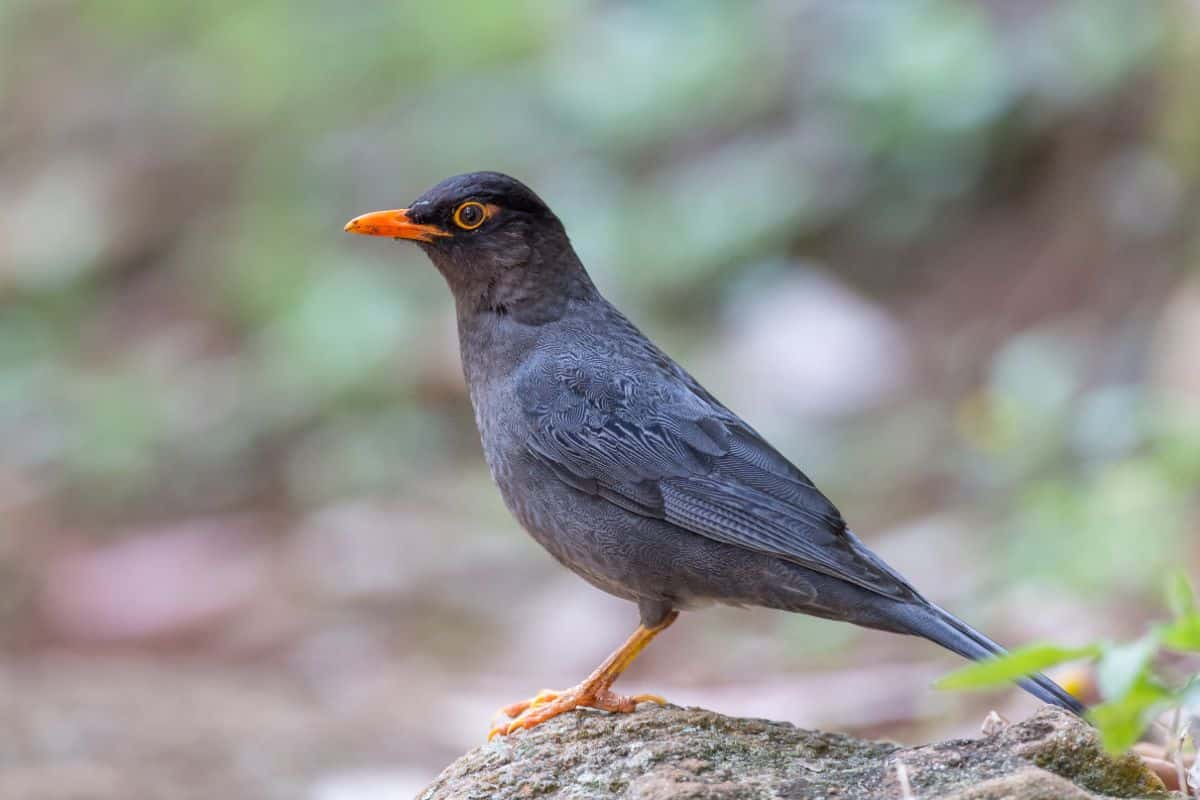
(943,254)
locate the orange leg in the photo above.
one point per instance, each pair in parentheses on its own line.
(594,692)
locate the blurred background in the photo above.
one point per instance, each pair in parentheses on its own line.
(943,253)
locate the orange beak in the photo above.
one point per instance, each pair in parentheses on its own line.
(394,223)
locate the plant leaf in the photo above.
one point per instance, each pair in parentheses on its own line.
(1180,598)
(1183,633)
(1122,666)
(1123,720)
(1016,664)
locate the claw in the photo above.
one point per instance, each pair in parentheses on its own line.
(515,710)
(548,704)
(658,700)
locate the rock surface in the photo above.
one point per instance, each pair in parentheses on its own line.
(673,753)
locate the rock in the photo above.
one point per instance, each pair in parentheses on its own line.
(672,753)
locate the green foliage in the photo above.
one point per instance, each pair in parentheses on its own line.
(1123,719)
(1136,692)
(1017,664)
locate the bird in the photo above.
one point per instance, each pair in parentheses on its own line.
(622,465)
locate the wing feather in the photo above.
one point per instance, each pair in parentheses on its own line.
(655,446)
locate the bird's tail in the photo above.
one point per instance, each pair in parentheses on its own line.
(944,628)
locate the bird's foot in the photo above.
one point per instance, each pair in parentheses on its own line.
(548,704)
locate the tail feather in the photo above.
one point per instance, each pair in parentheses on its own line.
(944,628)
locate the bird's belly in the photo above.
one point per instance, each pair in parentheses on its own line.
(576,529)
(640,558)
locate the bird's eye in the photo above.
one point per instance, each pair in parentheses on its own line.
(470,215)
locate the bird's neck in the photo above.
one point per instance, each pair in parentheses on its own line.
(501,321)
(534,292)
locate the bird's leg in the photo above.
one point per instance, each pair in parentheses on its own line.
(594,692)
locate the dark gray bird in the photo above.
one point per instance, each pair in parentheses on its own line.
(621,464)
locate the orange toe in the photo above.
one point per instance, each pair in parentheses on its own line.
(542,697)
(549,704)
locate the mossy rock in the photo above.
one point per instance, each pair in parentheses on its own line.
(672,753)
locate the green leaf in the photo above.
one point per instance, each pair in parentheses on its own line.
(1183,633)
(1122,666)
(1122,720)
(1014,665)
(1180,598)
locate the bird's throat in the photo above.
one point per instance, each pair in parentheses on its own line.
(533,293)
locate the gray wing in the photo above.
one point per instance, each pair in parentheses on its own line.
(658,445)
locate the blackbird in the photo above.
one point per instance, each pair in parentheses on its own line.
(621,465)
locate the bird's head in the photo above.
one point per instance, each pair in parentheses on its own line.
(496,243)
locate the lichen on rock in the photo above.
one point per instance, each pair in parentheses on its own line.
(672,753)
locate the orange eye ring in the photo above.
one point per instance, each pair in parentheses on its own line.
(470,215)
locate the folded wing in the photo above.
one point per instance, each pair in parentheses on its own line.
(656,447)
